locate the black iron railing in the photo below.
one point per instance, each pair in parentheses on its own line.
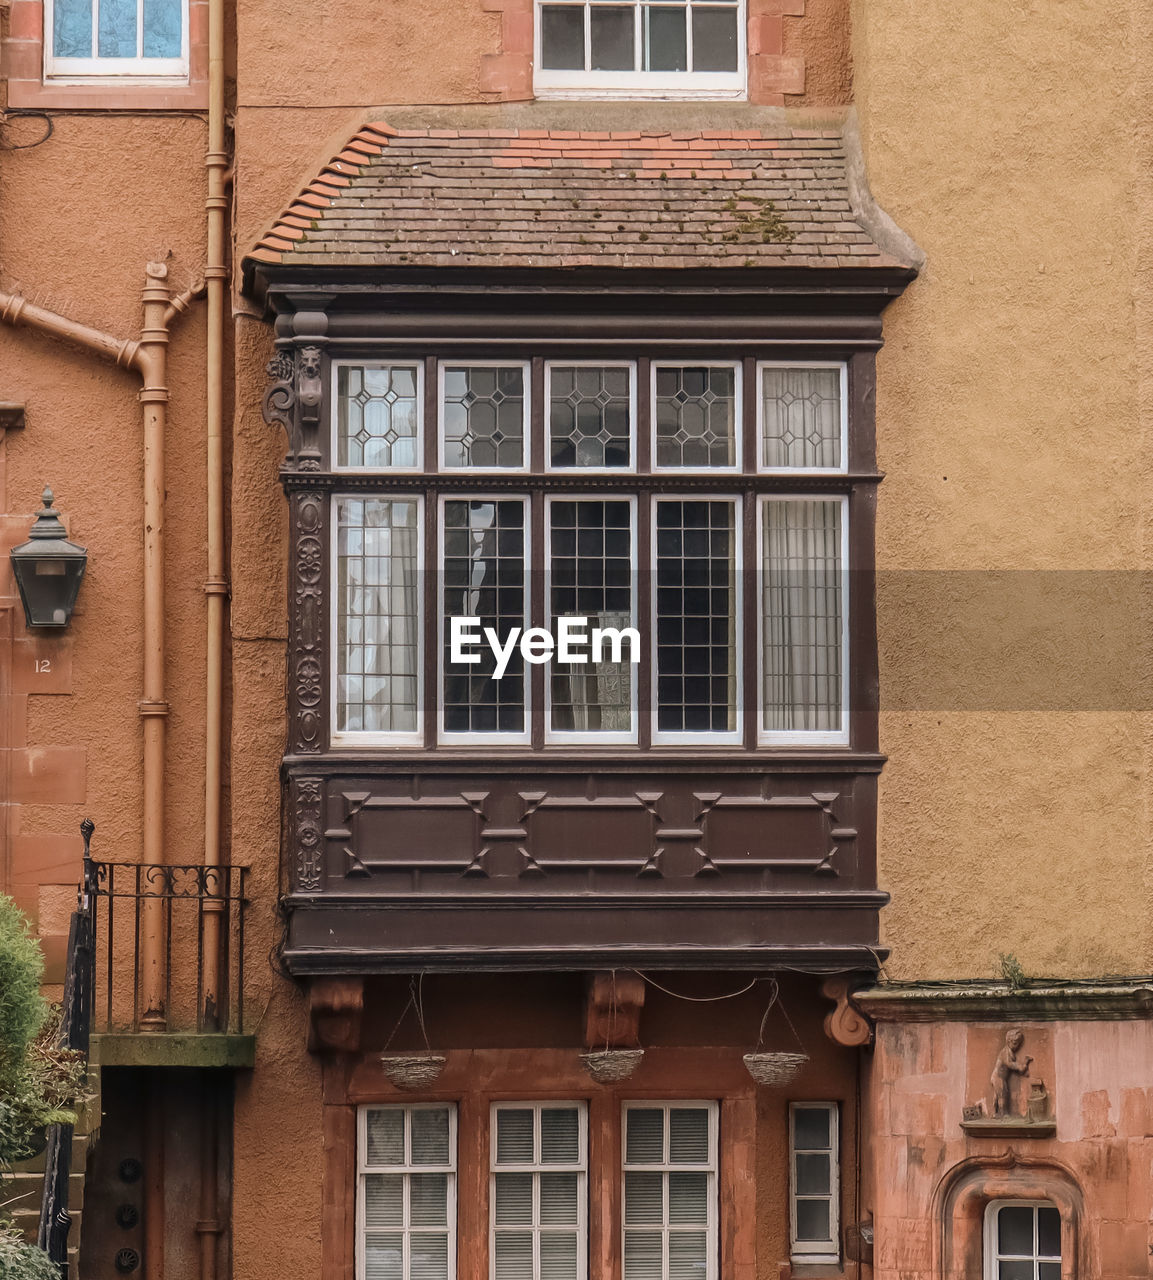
(169,946)
(75,1024)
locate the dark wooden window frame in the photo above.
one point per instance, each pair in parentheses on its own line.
(403,858)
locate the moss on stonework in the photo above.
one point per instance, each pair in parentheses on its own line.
(764,220)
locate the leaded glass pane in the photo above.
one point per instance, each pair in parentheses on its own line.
(801,604)
(484,578)
(116,29)
(696,617)
(483,415)
(590,415)
(72,29)
(801,417)
(377,416)
(162,28)
(695,416)
(592,578)
(377,616)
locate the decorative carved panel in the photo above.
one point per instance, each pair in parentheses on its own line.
(306,656)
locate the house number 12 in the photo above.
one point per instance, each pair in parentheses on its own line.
(43,666)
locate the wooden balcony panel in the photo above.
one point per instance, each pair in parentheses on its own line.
(438,865)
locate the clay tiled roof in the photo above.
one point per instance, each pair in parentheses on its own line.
(541,198)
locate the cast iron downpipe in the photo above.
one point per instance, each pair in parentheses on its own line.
(148,358)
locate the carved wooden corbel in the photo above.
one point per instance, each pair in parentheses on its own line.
(613,1004)
(335,1012)
(846,1024)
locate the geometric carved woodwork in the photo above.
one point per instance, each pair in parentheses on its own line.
(613,1003)
(846,1024)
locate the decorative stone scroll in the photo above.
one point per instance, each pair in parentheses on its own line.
(846,1024)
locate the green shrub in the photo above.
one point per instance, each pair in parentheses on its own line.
(21,1261)
(22,1008)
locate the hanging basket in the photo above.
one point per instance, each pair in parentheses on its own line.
(609,1066)
(775,1069)
(412,1070)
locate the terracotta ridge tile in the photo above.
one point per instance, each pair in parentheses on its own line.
(265,255)
(380,126)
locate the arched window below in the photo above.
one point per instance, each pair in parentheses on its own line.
(1022,1240)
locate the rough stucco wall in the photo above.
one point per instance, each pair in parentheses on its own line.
(823,38)
(72,247)
(1008,422)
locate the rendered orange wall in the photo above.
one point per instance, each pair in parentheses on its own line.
(82,214)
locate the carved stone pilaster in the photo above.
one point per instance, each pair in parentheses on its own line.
(306,835)
(306,685)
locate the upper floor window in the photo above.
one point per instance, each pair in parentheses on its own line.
(1022,1240)
(621,552)
(88,39)
(635,48)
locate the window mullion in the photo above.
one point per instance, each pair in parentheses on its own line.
(749,697)
(430,581)
(646,619)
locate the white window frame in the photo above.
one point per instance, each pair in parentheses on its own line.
(546,412)
(816,1251)
(374,738)
(97,70)
(803,737)
(334,422)
(640,84)
(363,1168)
(738,415)
(559,736)
(712,1168)
(536,1168)
(444,736)
(993,1255)
(525,366)
(701,737)
(839,365)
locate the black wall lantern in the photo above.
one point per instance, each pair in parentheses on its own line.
(48,570)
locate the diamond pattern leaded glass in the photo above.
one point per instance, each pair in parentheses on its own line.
(800,417)
(377,416)
(802,591)
(377,600)
(695,415)
(590,415)
(484,577)
(592,577)
(483,416)
(696,617)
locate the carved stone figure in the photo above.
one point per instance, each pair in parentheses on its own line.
(1010,1062)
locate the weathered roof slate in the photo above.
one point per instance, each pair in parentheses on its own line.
(564,198)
